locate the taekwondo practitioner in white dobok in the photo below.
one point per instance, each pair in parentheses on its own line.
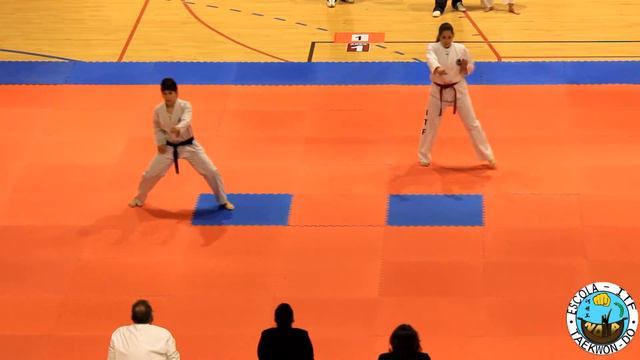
(174,138)
(449,62)
(488,5)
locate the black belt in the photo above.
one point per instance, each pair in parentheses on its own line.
(455,95)
(175,147)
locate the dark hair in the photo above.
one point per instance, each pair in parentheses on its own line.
(141,312)
(168,84)
(444,27)
(405,340)
(284,315)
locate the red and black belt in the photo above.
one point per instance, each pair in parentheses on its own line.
(444,87)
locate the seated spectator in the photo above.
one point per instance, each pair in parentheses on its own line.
(141,340)
(284,342)
(405,345)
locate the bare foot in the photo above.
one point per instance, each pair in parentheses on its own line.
(488,9)
(135,203)
(512,9)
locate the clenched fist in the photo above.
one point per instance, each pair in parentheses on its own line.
(602,300)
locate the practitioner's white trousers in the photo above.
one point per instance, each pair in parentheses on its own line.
(464,109)
(198,159)
(488,3)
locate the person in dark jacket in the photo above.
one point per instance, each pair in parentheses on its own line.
(405,345)
(285,342)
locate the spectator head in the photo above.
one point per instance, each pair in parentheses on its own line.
(405,340)
(141,312)
(284,315)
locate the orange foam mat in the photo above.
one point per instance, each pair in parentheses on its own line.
(560,212)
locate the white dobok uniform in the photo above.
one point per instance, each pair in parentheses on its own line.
(450,90)
(182,146)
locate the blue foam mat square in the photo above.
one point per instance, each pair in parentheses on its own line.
(251,209)
(435,210)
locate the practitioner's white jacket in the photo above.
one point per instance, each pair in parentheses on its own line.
(181,118)
(142,341)
(439,56)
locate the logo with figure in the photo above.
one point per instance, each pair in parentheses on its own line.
(602,318)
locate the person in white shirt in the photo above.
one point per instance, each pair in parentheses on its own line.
(172,126)
(141,340)
(488,6)
(449,62)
